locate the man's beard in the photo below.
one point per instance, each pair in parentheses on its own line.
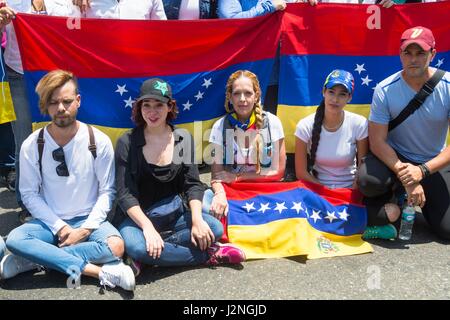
(64,122)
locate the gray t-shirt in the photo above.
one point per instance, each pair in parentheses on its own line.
(422,136)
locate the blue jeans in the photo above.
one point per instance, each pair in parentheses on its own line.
(22,126)
(178,248)
(35,242)
(2,247)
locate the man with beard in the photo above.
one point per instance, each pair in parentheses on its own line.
(67,183)
(410,154)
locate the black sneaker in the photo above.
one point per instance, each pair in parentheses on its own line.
(24,216)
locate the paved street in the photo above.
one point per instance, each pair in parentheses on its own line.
(396,270)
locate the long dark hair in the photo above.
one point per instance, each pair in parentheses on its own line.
(317,129)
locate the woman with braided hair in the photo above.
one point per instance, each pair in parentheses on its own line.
(248,142)
(337,141)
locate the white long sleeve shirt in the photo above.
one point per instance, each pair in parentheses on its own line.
(127,9)
(53,8)
(88,190)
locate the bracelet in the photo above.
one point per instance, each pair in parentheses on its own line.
(425,170)
(215,181)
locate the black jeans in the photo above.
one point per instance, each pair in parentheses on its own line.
(380,185)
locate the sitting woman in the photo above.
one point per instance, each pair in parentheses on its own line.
(155,171)
(336,142)
(248,143)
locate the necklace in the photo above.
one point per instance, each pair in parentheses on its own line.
(335,127)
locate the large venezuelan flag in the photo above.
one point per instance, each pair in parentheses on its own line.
(269,220)
(113,57)
(6,105)
(316,40)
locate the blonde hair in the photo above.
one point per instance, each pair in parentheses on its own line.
(257,107)
(49,83)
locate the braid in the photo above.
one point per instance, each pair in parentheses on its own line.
(259,125)
(317,128)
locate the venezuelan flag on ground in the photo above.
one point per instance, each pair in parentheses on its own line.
(269,220)
(113,57)
(316,40)
(6,105)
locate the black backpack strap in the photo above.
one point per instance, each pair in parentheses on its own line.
(418,99)
(92,146)
(40,145)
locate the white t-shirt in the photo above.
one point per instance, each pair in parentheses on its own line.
(246,157)
(189,10)
(54,8)
(88,190)
(127,9)
(336,154)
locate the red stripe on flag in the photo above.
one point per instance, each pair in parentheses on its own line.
(133,48)
(243,191)
(342,29)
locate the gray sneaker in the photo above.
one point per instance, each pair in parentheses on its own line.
(11,265)
(117,274)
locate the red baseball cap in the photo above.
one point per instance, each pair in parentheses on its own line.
(419,35)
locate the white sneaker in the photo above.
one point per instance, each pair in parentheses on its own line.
(117,274)
(11,265)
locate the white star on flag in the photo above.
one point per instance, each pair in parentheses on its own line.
(440,62)
(330,216)
(249,206)
(280,207)
(343,215)
(199,95)
(366,80)
(316,216)
(360,68)
(297,207)
(129,102)
(121,89)
(206,83)
(187,106)
(264,207)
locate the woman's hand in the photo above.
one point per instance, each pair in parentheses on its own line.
(219,205)
(153,242)
(6,15)
(225,176)
(201,234)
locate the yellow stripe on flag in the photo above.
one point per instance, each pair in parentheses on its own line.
(7,113)
(291,115)
(199,130)
(291,237)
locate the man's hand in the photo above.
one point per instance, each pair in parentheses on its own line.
(410,175)
(82,4)
(416,195)
(74,236)
(386,3)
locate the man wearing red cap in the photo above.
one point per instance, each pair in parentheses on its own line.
(411,154)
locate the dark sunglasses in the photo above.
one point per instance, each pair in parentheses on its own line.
(61,169)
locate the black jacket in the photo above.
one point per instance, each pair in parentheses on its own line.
(143,184)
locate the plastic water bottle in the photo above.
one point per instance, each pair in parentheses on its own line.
(407,222)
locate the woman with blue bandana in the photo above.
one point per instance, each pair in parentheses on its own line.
(248,143)
(330,143)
